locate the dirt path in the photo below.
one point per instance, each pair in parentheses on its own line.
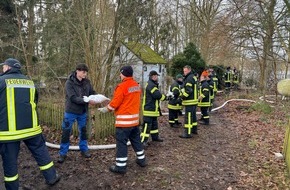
(213,159)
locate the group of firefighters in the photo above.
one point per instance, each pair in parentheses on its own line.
(20,121)
(188,91)
(231,79)
(185,91)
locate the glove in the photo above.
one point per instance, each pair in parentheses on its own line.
(103,109)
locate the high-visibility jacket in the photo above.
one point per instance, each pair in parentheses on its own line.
(236,78)
(190,90)
(215,84)
(228,76)
(211,86)
(151,98)
(205,93)
(18,99)
(175,102)
(126,103)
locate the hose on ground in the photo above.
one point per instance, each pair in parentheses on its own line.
(110,146)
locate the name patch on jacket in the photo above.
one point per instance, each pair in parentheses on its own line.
(20,83)
(133,89)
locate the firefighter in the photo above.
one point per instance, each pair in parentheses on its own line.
(228,80)
(215,81)
(204,98)
(151,109)
(19,122)
(212,87)
(174,104)
(126,105)
(189,101)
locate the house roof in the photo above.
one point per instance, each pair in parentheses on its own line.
(145,53)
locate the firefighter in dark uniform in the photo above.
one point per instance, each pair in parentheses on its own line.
(211,88)
(204,98)
(19,122)
(189,100)
(174,104)
(215,82)
(151,109)
(228,80)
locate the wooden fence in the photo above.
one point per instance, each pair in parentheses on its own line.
(99,125)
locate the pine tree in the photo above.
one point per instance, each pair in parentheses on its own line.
(190,56)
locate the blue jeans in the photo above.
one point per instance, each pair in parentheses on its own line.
(68,121)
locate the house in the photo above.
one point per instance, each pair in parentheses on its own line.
(143,60)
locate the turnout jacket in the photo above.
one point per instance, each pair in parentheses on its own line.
(18,99)
(151,98)
(215,83)
(175,102)
(74,92)
(228,76)
(190,90)
(211,87)
(204,91)
(126,103)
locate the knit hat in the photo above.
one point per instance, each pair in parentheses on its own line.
(12,63)
(127,71)
(204,73)
(179,76)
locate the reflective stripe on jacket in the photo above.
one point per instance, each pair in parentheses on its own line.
(126,103)
(18,98)
(211,86)
(175,102)
(189,92)
(228,76)
(205,93)
(152,95)
(215,84)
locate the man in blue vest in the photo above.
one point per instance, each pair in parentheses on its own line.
(19,122)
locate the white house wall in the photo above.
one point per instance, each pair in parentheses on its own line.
(141,71)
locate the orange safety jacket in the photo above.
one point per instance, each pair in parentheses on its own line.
(126,103)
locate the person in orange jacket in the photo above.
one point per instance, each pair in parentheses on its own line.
(126,105)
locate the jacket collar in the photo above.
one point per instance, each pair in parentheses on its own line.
(127,78)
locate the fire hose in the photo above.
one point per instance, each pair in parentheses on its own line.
(110,146)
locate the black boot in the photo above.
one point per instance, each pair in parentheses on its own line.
(141,162)
(145,144)
(53,181)
(158,139)
(86,154)
(194,130)
(117,169)
(185,134)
